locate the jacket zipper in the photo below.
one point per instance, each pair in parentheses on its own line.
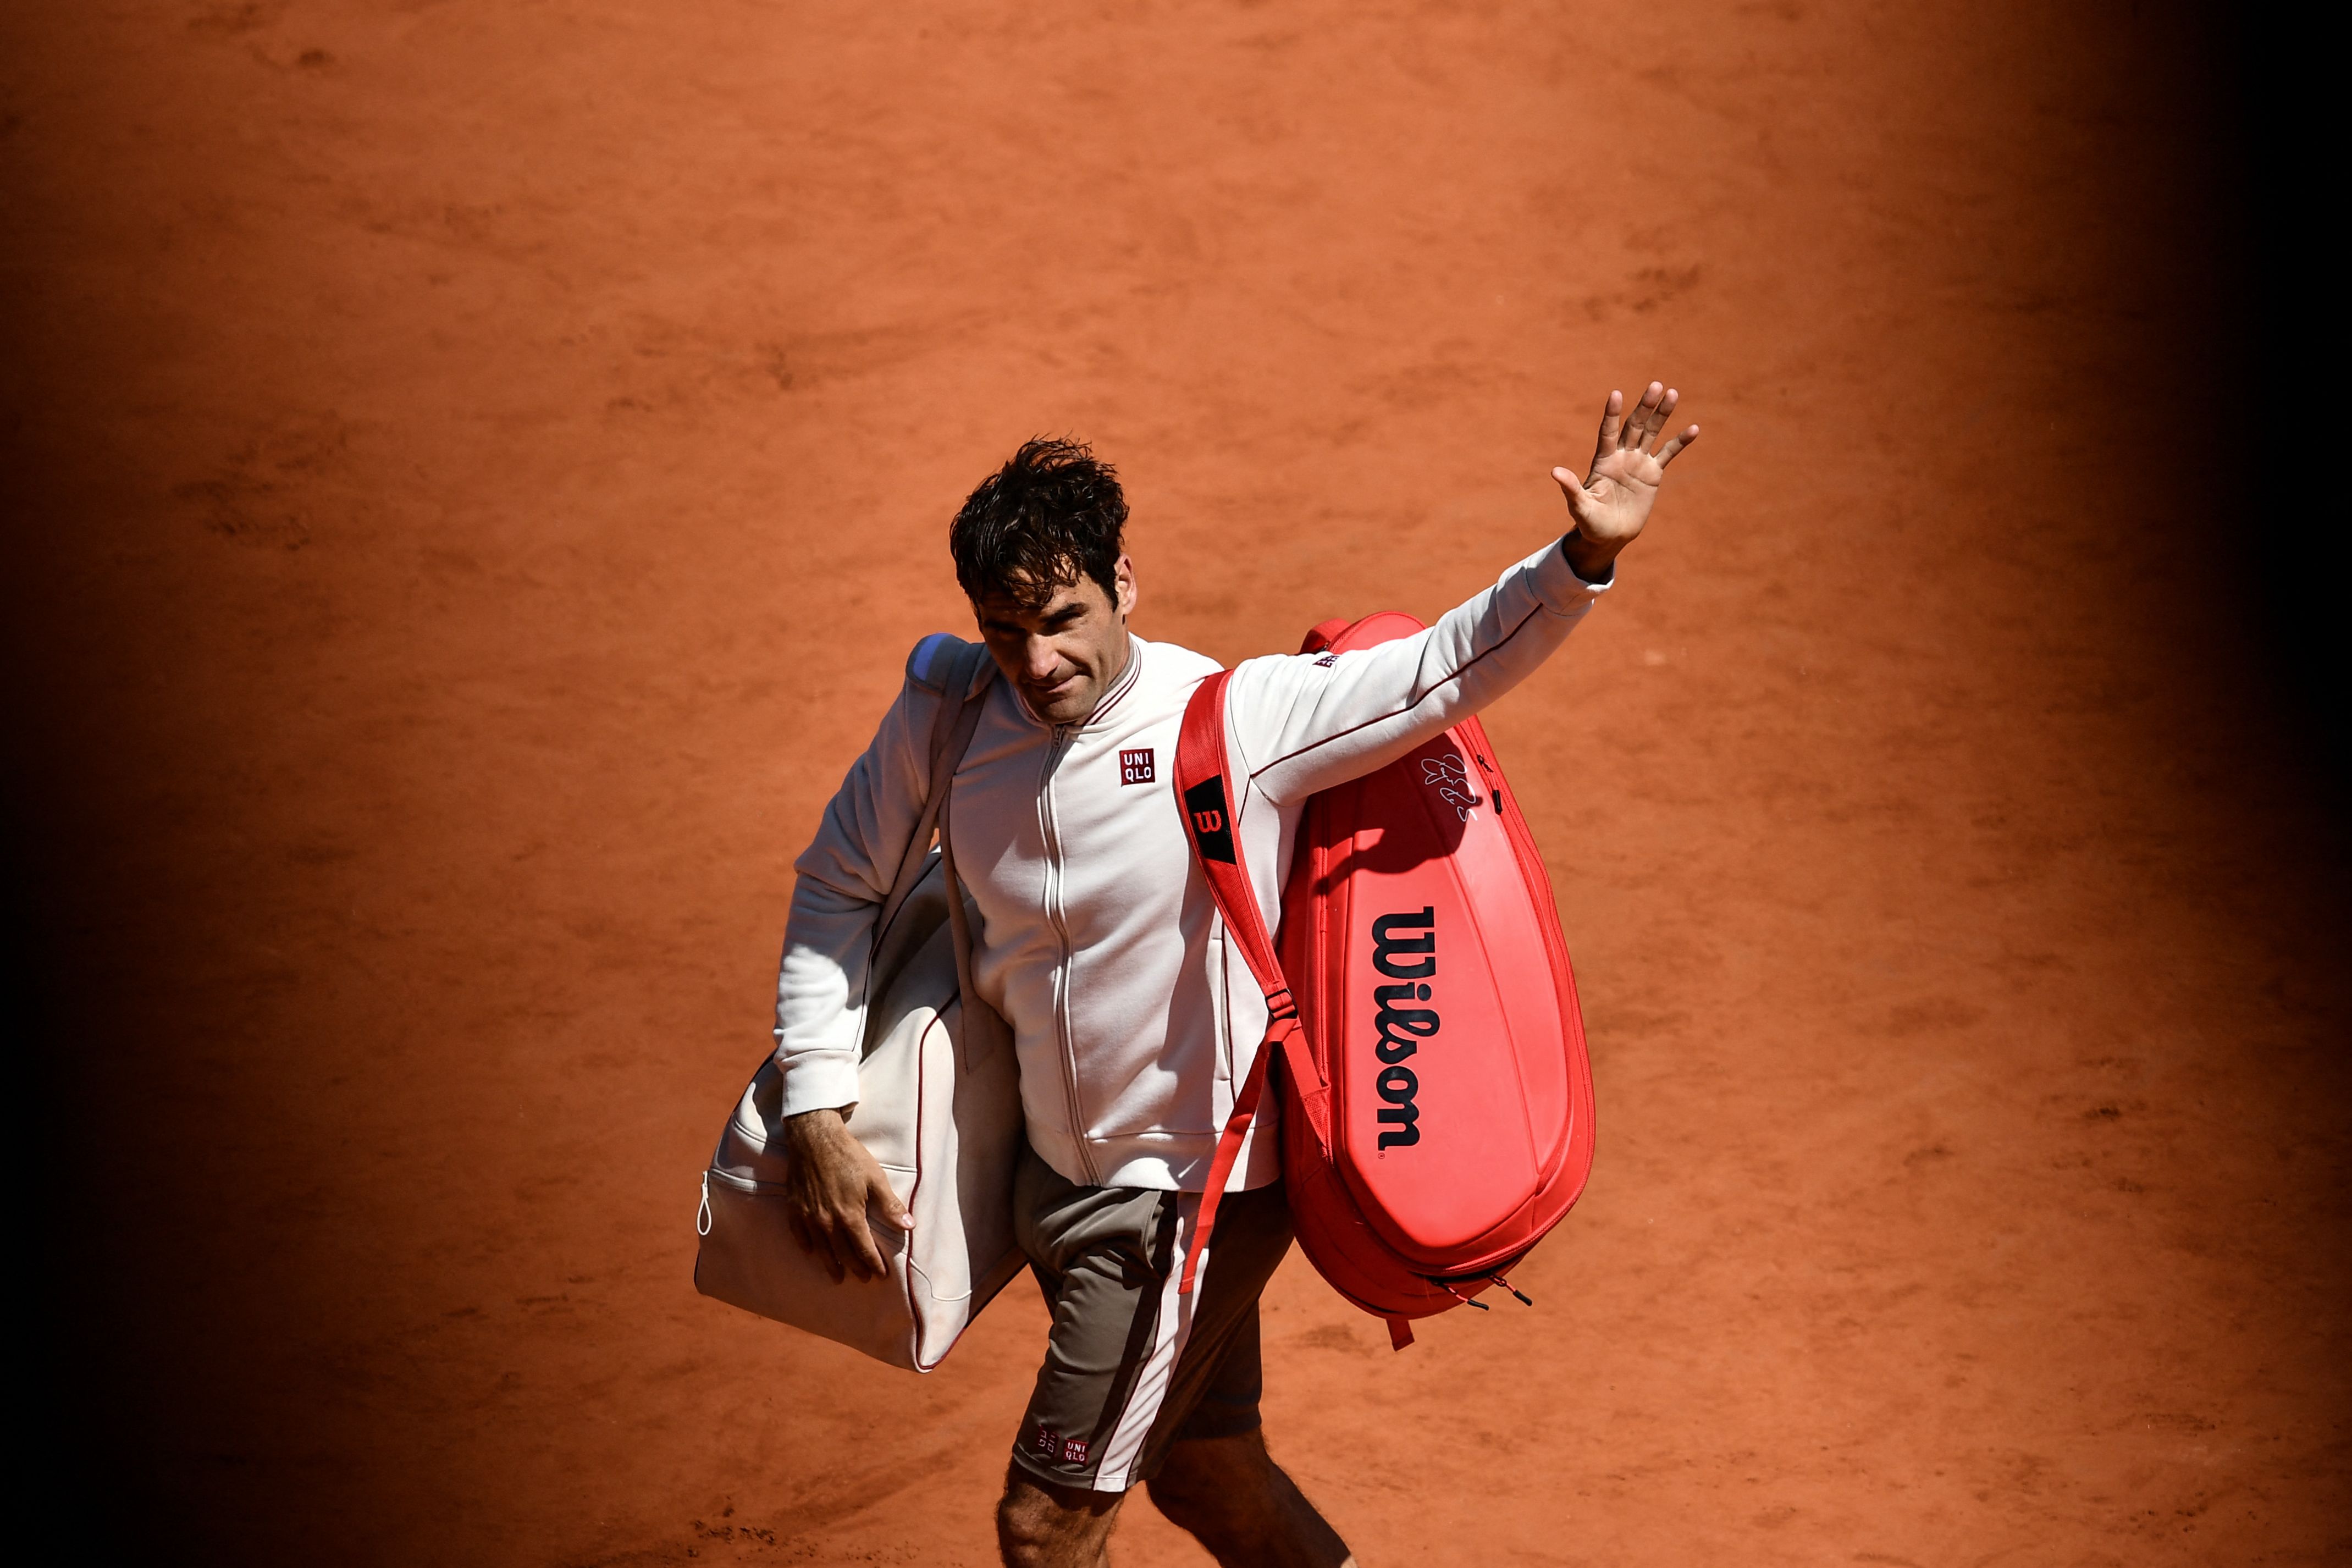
(1062,733)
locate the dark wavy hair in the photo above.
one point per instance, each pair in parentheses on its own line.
(1052,515)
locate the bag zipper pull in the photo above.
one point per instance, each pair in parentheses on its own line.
(702,1215)
(1512,1289)
(1465,1300)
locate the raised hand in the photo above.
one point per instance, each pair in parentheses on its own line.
(1614,500)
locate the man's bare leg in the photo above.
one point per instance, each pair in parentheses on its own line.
(1236,1501)
(1043,1526)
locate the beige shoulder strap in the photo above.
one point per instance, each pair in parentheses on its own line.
(963,692)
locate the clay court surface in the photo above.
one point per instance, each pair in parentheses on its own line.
(477,471)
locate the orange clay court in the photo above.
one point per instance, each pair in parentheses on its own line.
(476,473)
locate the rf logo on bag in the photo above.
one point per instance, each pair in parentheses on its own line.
(1136,767)
(1450,780)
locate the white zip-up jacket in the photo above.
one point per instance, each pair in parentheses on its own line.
(1133,1020)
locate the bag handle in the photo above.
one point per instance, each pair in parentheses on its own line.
(951,732)
(1204,801)
(960,701)
(982,1026)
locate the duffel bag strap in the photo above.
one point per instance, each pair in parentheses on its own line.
(1205,799)
(962,687)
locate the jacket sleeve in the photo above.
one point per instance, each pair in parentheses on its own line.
(1300,722)
(843,876)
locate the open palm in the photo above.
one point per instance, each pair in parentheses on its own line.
(1628,465)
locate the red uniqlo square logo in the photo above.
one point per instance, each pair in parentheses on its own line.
(1074,1450)
(1049,1441)
(1135,767)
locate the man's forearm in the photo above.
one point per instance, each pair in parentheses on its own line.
(843,878)
(821,996)
(1304,725)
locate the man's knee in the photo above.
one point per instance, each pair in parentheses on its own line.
(1052,1527)
(1236,1501)
(1189,1505)
(1203,1482)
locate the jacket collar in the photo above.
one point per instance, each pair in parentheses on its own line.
(1106,710)
(1108,707)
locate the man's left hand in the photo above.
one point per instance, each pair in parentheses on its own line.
(1614,500)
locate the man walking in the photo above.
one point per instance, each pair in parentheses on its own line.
(1134,1020)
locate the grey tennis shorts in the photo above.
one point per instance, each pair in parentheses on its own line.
(1131,1366)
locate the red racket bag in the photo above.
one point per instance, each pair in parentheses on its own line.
(1437,1099)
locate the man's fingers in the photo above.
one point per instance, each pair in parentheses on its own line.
(888,1202)
(878,1197)
(1663,411)
(813,1227)
(1573,491)
(856,1239)
(1613,420)
(1667,453)
(1644,422)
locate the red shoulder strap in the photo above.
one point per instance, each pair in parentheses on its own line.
(1202,792)
(1204,796)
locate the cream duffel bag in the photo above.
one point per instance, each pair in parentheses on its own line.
(939,1105)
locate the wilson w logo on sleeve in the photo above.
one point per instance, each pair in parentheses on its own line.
(1212,832)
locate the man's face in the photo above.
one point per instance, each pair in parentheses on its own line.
(1064,654)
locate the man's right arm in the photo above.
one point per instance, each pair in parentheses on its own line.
(1302,724)
(844,876)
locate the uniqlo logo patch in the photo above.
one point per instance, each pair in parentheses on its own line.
(1049,1442)
(1136,767)
(1074,1450)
